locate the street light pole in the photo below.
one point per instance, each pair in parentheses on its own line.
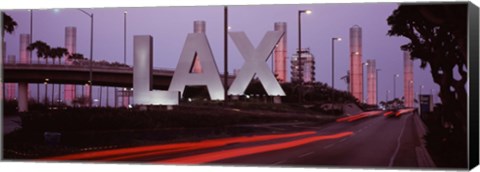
(225,51)
(394,85)
(299,52)
(421,88)
(125,37)
(333,60)
(365,83)
(386,95)
(90,82)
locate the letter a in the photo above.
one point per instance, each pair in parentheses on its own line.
(197,43)
(255,63)
(142,75)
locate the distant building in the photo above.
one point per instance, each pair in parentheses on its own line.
(307,66)
(356,67)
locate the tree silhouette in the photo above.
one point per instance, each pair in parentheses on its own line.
(43,49)
(76,56)
(438,38)
(8,23)
(58,52)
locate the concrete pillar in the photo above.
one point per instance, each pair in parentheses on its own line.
(277,100)
(23,97)
(25,40)
(356,67)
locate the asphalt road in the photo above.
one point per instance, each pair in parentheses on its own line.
(363,140)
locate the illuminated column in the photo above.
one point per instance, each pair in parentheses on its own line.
(280,53)
(199,26)
(71,45)
(356,69)
(408,79)
(25,40)
(10,93)
(371,82)
(2,85)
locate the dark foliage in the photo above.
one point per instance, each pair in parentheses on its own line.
(8,23)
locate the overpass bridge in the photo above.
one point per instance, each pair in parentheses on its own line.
(102,75)
(113,76)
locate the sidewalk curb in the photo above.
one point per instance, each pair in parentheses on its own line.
(423,157)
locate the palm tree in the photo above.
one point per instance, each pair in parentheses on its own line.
(43,49)
(8,24)
(58,52)
(75,57)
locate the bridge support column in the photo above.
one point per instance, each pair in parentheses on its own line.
(22,97)
(277,100)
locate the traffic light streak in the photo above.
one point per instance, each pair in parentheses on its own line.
(135,152)
(232,153)
(359,116)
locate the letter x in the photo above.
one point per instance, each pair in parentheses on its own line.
(255,63)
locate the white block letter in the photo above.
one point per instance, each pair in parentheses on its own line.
(255,63)
(197,44)
(142,75)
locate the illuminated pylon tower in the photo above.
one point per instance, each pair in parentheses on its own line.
(371,82)
(408,79)
(23,91)
(198,27)
(2,93)
(71,46)
(356,68)
(280,53)
(10,93)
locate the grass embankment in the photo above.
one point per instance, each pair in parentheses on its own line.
(84,129)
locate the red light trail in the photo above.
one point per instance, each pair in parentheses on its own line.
(215,156)
(172,148)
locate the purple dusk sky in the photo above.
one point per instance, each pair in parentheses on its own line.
(169,27)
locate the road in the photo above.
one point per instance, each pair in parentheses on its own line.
(364,140)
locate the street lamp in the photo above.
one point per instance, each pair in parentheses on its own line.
(386,95)
(421,88)
(363,74)
(46,90)
(394,85)
(333,60)
(91,54)
(299,52)
(225,52)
